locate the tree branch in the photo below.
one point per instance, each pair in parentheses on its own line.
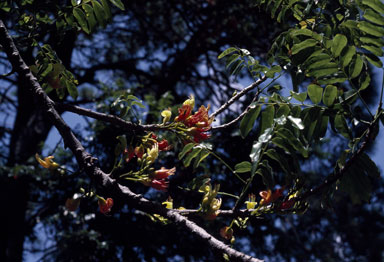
(238,96)
(89,164)
(115,120)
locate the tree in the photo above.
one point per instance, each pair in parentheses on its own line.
(326,54)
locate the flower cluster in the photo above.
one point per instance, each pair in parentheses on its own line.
(194,125)
(210,205)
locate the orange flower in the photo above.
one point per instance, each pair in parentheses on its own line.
(105,205)
(226,232)
(159,184)
(200,118)
(164,173)
(269,197)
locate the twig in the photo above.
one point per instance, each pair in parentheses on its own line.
(237,119)
(238,95)
(89,164)
(115,120)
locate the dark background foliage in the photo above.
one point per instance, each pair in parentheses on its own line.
(162,51)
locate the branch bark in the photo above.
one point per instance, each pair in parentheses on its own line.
(89,164)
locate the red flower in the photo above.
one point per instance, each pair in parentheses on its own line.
(200,118)
(199,134)
(287,204)
(184,112)
(163,145)
(105,205)
(159,184)
(164,173)
(129,153)
(269,197)
(139,152)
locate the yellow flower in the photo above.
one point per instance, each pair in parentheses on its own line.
(152,153)
(169,203)
(251,204)
(166,114)
(47,162)
(190,102)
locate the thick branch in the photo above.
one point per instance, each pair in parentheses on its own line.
(89,164)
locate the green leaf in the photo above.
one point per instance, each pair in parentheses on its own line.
(356,66)
(375,5)
(321,127)
(72,89)
(243,167)
(248,120)
(267,118)
(310,117)
(301,97)
(280,142)
(378,42)
(283,111)
(118,4)
(338,43)
(347,55)
(281,160)
(227,52)
(368,165)
(326,70)
(315,93)
(330,94)
(341,126)
(275,7)
(186,149)
(90,16)
(332,80)
(295,143)
(203,155)
(373,17)
(266,172)
(297,122)
(271,72)
(356,184)
(303,45)
(81,19)
(371,29)
(374,60)
(364,81)
(99,12)
(195,151)
(373,49)
(106,8)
